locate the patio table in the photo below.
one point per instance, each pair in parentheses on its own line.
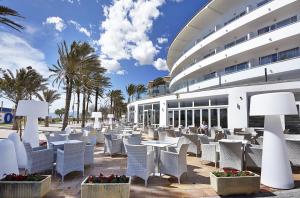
(59,144)
(157,145)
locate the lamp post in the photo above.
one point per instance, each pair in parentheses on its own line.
(97,115)
(32,110)
(276,169)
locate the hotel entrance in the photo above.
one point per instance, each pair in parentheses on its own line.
(148,115)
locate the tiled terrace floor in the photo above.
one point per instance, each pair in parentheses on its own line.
(194,184)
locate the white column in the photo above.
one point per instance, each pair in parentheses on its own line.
(237,110)
(136,111)
(163,113)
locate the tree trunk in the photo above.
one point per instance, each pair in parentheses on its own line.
(67,103)
(78,104)
(83,110)
(96,99)
(87,106)
(15,121)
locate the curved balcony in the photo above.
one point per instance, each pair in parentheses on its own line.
(255,72)
(249,16)
(248,46)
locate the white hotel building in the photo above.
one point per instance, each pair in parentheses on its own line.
(229,51)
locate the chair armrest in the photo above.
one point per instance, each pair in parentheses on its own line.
(39,148)
(168,153)
(42,154)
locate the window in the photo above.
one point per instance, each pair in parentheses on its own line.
(288,54)
(205,116)
(147,107)
(182,118)
(277,25)
(186,104)
(176,118)
(170,116)
(189,116)
(242,66)
(219,101)
(198,103)
(230,69)
(268,59)
(209,76)
(209,54)
(197,118)
(262,3)
(229,45)
(240,40)
(263,30)
(140,114)
(173,105)
(214,117)
(223,118)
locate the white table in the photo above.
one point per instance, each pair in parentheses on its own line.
(60,143)
(157,145)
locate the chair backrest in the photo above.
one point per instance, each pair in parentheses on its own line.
(28,150)
(171,133)
(162,135)
(137,154)
(203,139)
(74,151)
(231,154)
(183,150)
(135,139)
(235,137)
(20,150)
(293,147)
(75,136)
(253,155)
(54,137)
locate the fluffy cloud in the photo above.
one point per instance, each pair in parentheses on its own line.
(17,53)
(112,66)
(125,30)
(161,64)
(80,28)
(58,23)
(162,40)
(72,1)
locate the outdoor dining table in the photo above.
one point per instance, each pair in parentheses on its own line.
(157,145)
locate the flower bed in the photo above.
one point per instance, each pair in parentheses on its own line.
(112,186)
(231,182)
(16,186)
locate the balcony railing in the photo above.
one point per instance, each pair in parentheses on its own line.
(247,11)
(254,64)
(246,38)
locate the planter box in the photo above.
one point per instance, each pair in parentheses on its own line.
(235,185)
(28,189)
(105,190)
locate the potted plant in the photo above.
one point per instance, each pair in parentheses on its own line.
(231,182)
(113,186)
(17,186)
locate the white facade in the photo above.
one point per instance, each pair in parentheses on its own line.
(228,52)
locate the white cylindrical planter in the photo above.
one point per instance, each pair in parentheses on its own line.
(8,158)
(30,134)
(276,169)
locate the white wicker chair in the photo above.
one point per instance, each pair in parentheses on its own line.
(70,159)
(231,155)
(89,154)
(112,145)
(253,156)
(174,163)
(208,150)
(293,147)
(39,159)
(76,136)
(140,163)
(194,146)
(20,150)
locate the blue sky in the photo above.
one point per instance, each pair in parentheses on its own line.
(131,37)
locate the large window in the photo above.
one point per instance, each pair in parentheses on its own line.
(268,59)
(172,104)
(199,103)
(277,25)
(156,111)
(189,116)
(140,114)
(205,116)
(170,118)
(288,54)
(176,118)
(182,118)
(223,118)
(197,118)
(214,117)
(186,104)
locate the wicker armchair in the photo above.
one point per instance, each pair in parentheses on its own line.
(135,139)
(194,146)
(174,163)
(253,156)
(53,138)
(293,147)
(76,136)
(208,150)
(70,159)
(112,145)
(231,155)
(39,159)
(140,163)
(89,154)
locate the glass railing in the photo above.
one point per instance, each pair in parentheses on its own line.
(288,55)
(237,42)
(186,49)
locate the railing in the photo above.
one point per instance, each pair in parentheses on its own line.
(250,37)
(258,5)
(221,74)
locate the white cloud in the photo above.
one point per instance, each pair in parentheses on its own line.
(162,40)
(17,53)
(160,64)
(80,28)
(57,22)
(125,30)
(72,1)
(112,66)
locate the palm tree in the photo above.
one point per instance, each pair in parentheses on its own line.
(116,102)
(66,72)
(140,89)
(131,90)
(21,86)
(99,90)
(49,96)
(4,12)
